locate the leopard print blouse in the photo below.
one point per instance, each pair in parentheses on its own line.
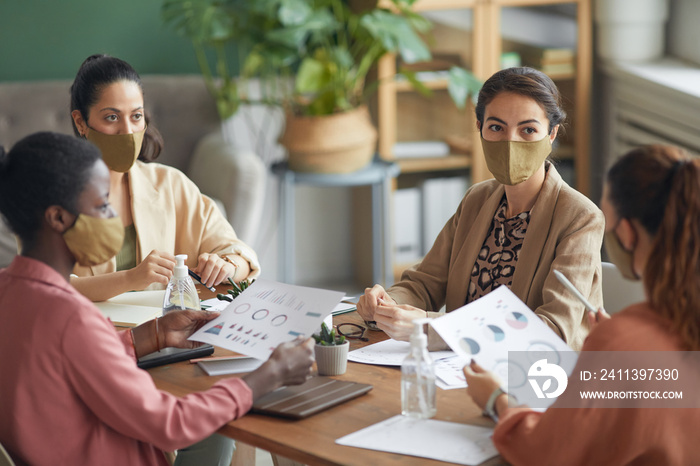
(498,257)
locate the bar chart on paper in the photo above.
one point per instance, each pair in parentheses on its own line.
(266,314)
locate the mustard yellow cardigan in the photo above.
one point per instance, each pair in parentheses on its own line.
(171,214)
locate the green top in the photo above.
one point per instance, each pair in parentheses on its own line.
(126,258)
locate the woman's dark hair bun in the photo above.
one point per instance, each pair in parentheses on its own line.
(3,158)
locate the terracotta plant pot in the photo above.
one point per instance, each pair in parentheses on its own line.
(332,360)
(338,143)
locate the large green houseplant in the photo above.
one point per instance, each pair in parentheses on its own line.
(312,57)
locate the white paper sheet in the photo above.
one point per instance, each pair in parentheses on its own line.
(266,314)
(489,327)
(426,438)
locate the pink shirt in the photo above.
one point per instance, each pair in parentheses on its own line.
(70,391)
(606,436)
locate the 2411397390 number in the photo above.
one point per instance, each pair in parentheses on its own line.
(639,374)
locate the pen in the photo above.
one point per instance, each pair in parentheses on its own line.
(565,281)
(199,279)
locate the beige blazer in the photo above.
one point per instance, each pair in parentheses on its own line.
(565,233)
(171,214)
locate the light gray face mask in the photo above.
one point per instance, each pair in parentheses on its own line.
(512,162)
(119,151)
(621,257)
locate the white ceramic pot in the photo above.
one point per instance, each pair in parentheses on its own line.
(631,30)
(332,360)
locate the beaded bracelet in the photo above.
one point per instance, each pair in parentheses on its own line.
(157,338)
(133,343)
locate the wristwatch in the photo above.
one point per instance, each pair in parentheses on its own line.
(490,408)
(372,325)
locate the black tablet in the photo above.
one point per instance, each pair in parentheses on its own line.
(172,355)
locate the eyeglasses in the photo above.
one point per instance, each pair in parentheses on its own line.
(352,331)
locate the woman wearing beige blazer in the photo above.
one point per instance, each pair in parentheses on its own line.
(514,230)
(163,211)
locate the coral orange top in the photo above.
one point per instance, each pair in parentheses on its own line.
(70,391)
(606,436)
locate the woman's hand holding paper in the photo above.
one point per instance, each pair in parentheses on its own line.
(175,327)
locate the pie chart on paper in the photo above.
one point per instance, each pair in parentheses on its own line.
(469,346)
(494,333)
(516,320)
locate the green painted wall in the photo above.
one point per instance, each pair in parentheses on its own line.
(49,39)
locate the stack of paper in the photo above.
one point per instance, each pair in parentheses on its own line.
(232,365)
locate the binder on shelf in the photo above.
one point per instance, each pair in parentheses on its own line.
(440,199)
(539,56)
(407,229)
(416,149)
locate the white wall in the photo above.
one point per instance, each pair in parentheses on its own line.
(682,30)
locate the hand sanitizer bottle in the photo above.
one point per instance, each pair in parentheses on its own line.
(418,377)
(181,293)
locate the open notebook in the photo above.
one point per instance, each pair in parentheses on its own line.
(314,395)
(133,308)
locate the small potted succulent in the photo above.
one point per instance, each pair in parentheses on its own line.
(235,290)
(331,352)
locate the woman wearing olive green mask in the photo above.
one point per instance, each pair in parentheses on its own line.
(162,211)
(513,230)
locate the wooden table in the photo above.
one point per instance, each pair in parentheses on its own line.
(312,440)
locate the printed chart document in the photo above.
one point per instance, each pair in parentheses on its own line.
(389,353)
(266,314)
(488,328)
(426,438)
(448,365)
(133,308)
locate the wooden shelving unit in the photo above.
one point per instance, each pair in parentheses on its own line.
(403,115)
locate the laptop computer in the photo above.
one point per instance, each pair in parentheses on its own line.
(315,395)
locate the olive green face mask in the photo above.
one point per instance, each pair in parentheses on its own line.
(119,151)
(512,162)
(621,257)
(94,240)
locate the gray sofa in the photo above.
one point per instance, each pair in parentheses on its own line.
(185,114)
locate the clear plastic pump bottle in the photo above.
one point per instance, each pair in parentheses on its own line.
(418,377)
(181,293)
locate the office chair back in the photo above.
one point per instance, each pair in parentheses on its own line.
(618,292)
